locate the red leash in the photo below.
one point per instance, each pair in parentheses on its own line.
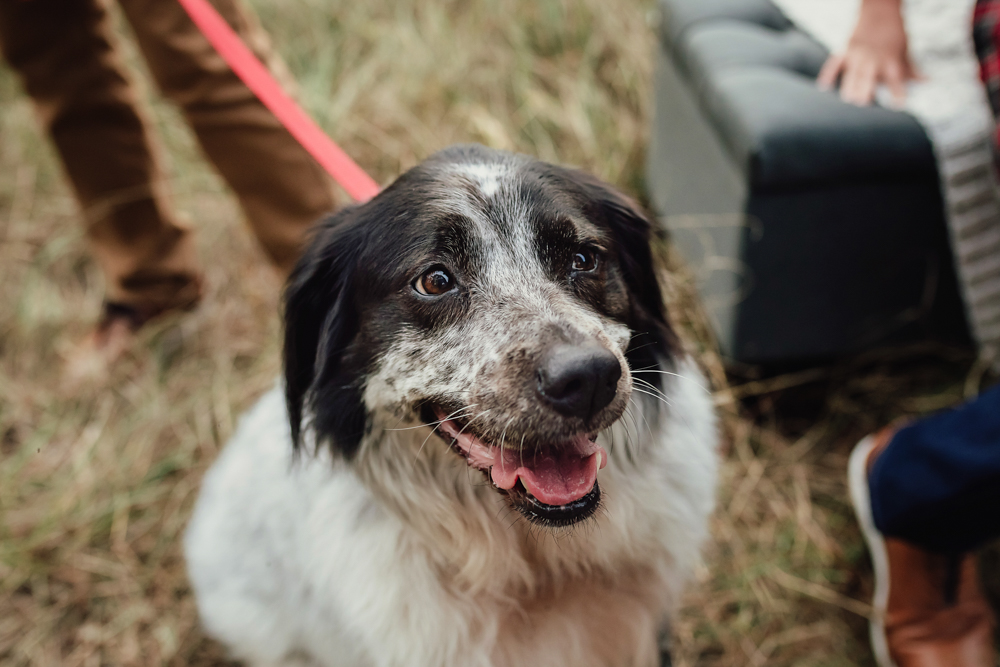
(244,63)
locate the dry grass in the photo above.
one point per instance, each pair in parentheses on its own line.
(96,484)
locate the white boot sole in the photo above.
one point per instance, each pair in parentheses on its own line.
(857,482)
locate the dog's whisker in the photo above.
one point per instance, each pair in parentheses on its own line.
(421,447)
(467,424)
(676,375)
(434,423)
(629,448)
(628,441)
(644,368)
(651,394)
(642,415)
(635,438)
(435,427)
(610,431)
(521,450)
(503,435)
(660,398)
(639,347)
(514,517)
(654,389)
(401,418)
(648,384)
(472,419)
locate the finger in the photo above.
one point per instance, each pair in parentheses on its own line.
(869,82)
(849,79)
(858,87)
(829,72)
(896,81)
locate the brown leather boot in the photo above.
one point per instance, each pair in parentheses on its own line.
(928,610)
(91,360)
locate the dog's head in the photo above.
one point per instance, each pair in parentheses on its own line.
(495,304)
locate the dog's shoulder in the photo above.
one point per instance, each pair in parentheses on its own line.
(248,473)
(264,513)
(253,498)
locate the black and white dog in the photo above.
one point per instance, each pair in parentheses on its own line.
(488,449)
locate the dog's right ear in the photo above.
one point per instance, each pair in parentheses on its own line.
(321,321)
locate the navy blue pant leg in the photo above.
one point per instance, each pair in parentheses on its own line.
(937,484)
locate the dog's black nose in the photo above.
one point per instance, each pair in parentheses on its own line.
(578,381)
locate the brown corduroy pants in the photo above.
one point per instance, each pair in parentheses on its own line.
(65,54)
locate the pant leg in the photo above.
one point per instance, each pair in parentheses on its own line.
(937,483)
(280,187)
(64,55)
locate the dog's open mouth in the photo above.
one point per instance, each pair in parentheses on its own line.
(554,484)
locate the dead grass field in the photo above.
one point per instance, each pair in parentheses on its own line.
(96,483)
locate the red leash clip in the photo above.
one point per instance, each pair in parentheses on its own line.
(258,79)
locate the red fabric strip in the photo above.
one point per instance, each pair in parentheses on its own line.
(244,63)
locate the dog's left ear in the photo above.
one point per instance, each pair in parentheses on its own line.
(320,323)
(632,232)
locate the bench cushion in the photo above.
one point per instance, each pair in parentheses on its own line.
(754,76)
(678,16)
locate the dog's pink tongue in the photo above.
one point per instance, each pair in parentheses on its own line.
(555,477)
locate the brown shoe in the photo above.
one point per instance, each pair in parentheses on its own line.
(116,328)
(928,610)
(91,360)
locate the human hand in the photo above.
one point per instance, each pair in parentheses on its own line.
(877,54)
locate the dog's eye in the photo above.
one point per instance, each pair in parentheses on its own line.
(585,260)
(434,282)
